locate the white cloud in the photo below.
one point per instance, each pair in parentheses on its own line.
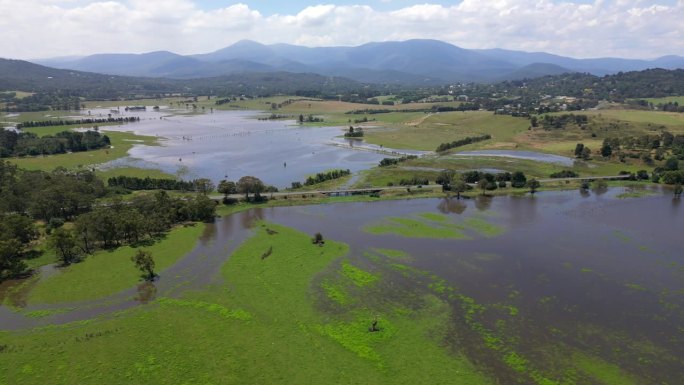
(45,28)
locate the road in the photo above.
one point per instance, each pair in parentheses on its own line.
(399,188)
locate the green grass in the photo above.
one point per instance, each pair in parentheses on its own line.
(606,373)
(358,276)
(427,131)
(391,253)
(336,293)
(121,143)
(483,227)
(414,228)
(261,324)
(134,172)
(670,99)
(109,272)
(52,130)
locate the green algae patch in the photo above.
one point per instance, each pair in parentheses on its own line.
(358,276)
(415,228)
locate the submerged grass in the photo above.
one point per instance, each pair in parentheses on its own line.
(260,325)
(414,228)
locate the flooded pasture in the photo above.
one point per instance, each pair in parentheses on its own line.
(233,144)
(527,155)
(534,283)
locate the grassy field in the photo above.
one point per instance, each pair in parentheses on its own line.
(121,143)
(669,99)
(108,272)
(269,322)
(427,131)
(134,172)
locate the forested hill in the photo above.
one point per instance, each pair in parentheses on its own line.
(65,89)
(650,83)
(18,75)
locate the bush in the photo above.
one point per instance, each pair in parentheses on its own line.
(564,174)
(230,201)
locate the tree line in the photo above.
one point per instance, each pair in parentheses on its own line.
(136,183)
(393,161)
(462,142)
(14,143)
(89,121)
(321,177)
(64,196)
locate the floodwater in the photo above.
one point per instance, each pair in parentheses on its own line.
(587,273)
(232,144)
(528,155)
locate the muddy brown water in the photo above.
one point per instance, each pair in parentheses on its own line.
(591,272)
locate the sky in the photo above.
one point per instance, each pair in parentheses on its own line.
(32,29)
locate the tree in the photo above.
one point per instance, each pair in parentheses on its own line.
(145,263)
(446,177)
(678,190)
(579,149)
(10,259)
(606,150)
(227,187)
(458,187)
(301,118)
(204,186)
(518,179)
(64,243)
(533,185)
(586,153)
(672,164)
(250,184)
(483,185)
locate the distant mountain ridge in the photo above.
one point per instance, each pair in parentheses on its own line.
(406,62)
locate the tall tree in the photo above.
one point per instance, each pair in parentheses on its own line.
(250,184)
(533,185)
(64,243)
(145,263)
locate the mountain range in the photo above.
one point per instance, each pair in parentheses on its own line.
(408,62)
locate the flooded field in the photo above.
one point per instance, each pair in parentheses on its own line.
(560,286)
(233,144)
(528,155)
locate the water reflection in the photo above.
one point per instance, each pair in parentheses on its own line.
(451,205)
(147,291)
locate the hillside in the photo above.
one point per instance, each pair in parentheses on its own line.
(411,62)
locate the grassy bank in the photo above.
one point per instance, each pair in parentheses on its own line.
(266,323)
(108,272)
(121,143)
